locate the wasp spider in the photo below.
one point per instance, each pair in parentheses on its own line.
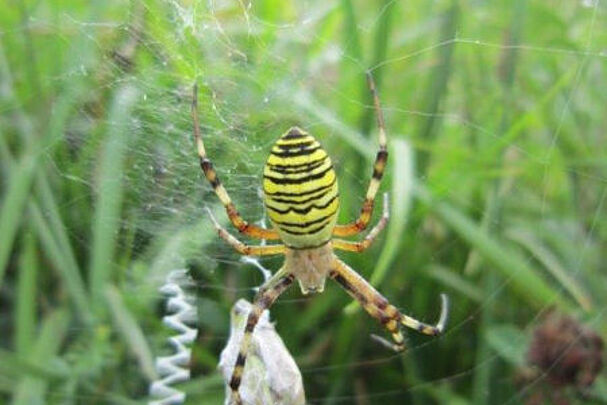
(301,197)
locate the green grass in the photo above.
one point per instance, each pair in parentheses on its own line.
(497,181)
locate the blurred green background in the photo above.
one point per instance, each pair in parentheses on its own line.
(496,115)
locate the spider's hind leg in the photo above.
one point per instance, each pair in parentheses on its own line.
(266,296)
(379,308)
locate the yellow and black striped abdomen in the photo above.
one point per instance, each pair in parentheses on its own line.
(300,188)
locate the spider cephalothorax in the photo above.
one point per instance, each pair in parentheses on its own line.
(301,197)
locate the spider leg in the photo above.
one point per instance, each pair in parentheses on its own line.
(378,307)
(243,249)
(368,240)
(268,293)
(378,171)
(211,175)
(432,330)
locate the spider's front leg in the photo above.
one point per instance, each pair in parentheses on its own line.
(266,296)
(378,307)
(209,172)
(379,167)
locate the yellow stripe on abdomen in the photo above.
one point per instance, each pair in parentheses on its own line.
(300,188)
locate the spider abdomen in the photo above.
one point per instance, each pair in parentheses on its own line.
(300,188)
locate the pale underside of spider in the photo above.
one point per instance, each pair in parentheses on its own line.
(302,201)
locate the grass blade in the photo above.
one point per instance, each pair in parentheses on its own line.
(456,282)
(25,308)
(70,275)
(552,264)
(131,332)
(437,83)
(11,212)
(13,365)
(106,221)
(32,390)
(508,262)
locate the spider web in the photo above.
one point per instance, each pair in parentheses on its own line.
(500,109)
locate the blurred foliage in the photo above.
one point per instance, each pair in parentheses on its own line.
(498,175)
